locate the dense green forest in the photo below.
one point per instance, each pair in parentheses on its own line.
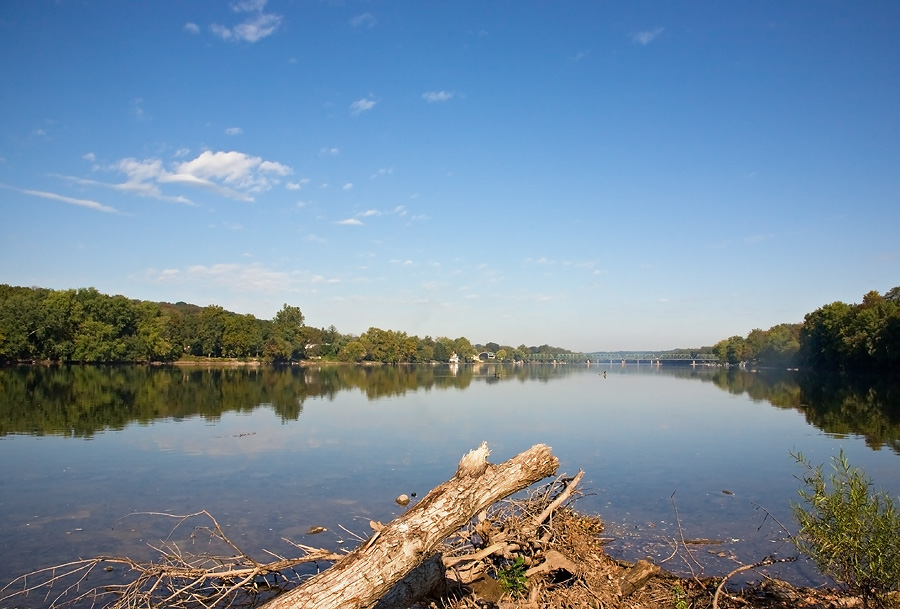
(84,325)
(838,336)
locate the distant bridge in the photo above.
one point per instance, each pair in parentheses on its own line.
(649,357)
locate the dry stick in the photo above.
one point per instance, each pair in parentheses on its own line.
(763,563)
(496,547)
(674,551)
(769,514)
(567,492)
(151,578)
(681,532)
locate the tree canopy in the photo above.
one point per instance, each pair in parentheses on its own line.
(86,326)
(837,336)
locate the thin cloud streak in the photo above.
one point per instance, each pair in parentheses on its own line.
(64,199)
(254,277)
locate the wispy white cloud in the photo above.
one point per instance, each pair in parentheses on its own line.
(647,36)
(348,186)
(234,131)
(233,174)
(369,213)
(349,222)
(256,27)
(384,171)
(137,108)
(364,20)
(141,177)
(297,185)
(64,199)
(193,28)
(329,152)
(185,179)
(248,6)
(437,96)
(90,156)
(578,56)
(237,277)
(233,169)
(361,105)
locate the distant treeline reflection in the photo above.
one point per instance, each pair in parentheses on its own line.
(840,404)
(80,401)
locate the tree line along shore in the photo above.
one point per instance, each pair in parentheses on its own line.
(86,326)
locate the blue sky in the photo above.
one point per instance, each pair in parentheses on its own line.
(592,175)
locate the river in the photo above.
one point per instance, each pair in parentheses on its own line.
(668,452)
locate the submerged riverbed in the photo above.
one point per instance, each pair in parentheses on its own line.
(271,453)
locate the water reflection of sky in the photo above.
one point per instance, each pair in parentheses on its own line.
(650,443)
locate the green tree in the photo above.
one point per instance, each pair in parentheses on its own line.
(241,336)
(781,346)
(382,345)
(732,350)
(331,341)
(285,342)
(20,321)
(354,351)
(95,341)
(822,344)
(464,349)
(425,350)
(61,313)
(211,330)
(154,338)
(442,350)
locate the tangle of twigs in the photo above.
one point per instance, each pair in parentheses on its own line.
(178,579)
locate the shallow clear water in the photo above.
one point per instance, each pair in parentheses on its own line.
(270,453)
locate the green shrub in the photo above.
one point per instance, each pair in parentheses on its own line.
(850,531)
(512,578)
(680,597)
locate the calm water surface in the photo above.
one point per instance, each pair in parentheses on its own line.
(273,452)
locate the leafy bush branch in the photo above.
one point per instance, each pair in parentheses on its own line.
(849,530)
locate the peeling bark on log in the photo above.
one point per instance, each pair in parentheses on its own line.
(362,577)
(429,577)
(637,576)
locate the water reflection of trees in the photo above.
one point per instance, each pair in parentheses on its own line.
(868,406)
(80,401)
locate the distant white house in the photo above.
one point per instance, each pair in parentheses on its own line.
(454,359)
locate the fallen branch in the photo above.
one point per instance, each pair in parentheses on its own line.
(763,563)
(362,577)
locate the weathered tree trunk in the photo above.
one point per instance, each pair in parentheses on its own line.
(362,577)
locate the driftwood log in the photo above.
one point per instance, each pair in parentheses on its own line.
(362,577)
